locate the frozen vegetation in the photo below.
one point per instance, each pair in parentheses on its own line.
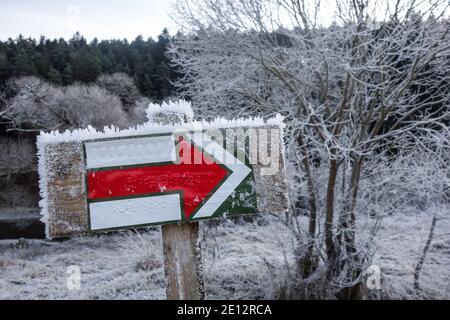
(238,261)
(251,260)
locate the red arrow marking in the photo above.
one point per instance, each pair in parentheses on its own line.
(196,181)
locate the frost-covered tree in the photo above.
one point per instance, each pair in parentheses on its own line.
(373,85)
(138,111)
(85,105)
(121,85)
(32,106)
(38,105)
(16,157)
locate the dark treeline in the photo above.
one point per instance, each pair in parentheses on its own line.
(64,62)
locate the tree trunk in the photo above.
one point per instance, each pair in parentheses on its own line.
(356,292)
(308,265)
(329,242)
(346,239)
(424,254)
(347,219)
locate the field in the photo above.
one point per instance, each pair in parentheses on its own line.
(242,260)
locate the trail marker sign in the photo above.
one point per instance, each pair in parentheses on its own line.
(150,178)
(101,181)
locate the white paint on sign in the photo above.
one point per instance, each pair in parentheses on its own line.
(134,212)
(132,151)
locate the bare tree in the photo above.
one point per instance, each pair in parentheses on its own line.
(16,157)
(86,105)
(39,105)
(372,84)
(121,85)
(32,106)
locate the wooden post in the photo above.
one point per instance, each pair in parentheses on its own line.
(182,262)
(182,251)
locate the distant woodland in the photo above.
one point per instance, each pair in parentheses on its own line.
(62,62)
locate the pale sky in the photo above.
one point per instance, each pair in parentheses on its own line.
(104,19)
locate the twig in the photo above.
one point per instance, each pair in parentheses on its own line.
(424,254)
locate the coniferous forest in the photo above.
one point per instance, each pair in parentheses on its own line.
(64,62)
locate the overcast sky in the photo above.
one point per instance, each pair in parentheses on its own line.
(104,19)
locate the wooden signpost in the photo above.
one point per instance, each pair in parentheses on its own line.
(165,174)
(182,250)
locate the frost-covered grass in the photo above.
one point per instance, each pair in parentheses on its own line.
(241,261)
(399,245)
(238,260)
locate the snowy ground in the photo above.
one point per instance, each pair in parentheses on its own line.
(238,261)
(241,262)
(400,243)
